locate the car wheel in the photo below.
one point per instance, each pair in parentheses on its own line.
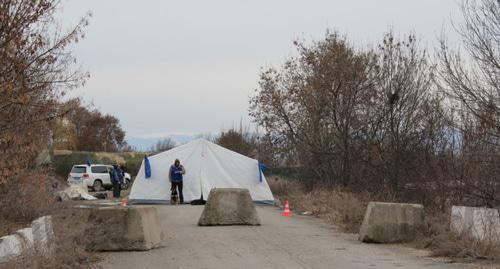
(97,186)
(126,184)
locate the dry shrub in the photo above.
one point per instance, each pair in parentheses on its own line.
(31,196)
(443,242)
(70,242)
(24,199)
(285,189)
(346,210)
(343,208)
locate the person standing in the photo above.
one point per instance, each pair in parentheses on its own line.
(117,180)
(175,176)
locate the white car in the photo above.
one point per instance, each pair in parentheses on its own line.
(95,176)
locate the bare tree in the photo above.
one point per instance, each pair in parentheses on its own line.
(163,145)
(36,68)
(473,79)
(240,140)
(470,76)
(403,92)
(379,120)
(365,119)
(311,106)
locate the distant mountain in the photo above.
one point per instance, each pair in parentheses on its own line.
(144,144)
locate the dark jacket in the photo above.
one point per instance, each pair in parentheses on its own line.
(175,173)
(116,175)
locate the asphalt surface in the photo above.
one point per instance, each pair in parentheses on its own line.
(280,242)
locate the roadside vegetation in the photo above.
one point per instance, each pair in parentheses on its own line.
(390,122)
(69,246)
(84,128)
(37,69)
(340,207)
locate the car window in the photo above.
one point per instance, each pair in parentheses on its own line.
(79,169)
(99,169)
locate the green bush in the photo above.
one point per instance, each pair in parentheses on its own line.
(132,164)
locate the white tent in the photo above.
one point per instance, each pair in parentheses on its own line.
(207,166)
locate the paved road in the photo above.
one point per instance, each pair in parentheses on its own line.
(296,242)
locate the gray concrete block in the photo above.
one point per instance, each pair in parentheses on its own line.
(229,206)
(478,222)
(123,228)
(11,246)
(43,235)
(392,223)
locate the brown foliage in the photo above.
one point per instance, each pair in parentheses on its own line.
(311,108)
(26,198)
(237,140)
(64,135)
(35,66)
(36,69)
(251,144)
(361,119)
(89,130)
(380,121)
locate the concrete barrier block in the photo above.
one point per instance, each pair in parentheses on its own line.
(123,228)
(27,237)
(43,235)
(11,246)
(392,223)
(228,206)
(38,237)
(480,223)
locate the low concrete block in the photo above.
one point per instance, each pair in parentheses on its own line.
(38,237)
(11,246)
(27,237)
(43,235)
(227,206)
(123,228)
(480,223)
(391,223)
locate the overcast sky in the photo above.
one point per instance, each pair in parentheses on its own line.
(189,67)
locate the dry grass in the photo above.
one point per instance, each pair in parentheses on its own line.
(28,197)
(343,208)
(32,197)
(69,252)
(444,243)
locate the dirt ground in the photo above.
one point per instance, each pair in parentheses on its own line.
(296,242)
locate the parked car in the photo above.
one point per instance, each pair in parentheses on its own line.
(95,176)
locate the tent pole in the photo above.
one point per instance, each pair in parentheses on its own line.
(201,168)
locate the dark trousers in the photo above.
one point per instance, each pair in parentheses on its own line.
(116,189)
(178,185)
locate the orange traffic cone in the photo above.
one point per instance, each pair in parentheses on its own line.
(124,202)
(287,212)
